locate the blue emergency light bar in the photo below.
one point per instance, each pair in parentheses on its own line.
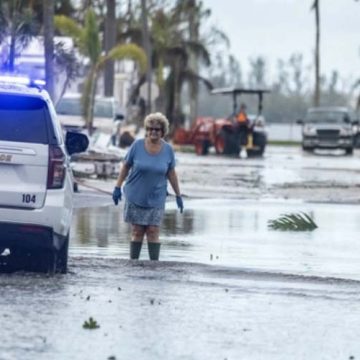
(21,80)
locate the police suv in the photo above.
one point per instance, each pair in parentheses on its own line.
(36,187)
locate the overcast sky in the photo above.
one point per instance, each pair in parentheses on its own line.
(278,28)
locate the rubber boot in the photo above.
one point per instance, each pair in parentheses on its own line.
(154,250)
(135,248)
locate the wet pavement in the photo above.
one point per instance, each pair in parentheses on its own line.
(227,287)
(173,310)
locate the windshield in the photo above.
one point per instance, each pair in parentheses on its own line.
(103,107)
(327,117)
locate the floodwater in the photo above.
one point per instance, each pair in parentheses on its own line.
(226,287)
(235,233)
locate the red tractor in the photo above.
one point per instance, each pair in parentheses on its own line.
(223,133)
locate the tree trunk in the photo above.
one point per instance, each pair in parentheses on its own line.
(109,43)
(194,86)
(48,16)
(11,61)
(91,104)
(317,54)
(147,47)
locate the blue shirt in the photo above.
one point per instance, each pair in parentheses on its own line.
(147,180)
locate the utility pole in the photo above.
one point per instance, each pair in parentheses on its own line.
(147,47)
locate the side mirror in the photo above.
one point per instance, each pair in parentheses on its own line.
(76,142)
(346,120)
(300,121)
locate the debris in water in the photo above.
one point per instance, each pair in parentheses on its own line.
(293,222)
(91,324)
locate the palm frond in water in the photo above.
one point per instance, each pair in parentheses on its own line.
(293,222)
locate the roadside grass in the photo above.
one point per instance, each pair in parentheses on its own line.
(284,143)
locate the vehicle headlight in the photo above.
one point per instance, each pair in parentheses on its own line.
(309,130)
(346,131)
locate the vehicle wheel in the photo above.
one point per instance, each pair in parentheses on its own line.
(349,151)
(43,260)
(357,141)
(227,143)
(19,259)
(259,140)
(75,187)
(255,152)
(306,148)
(220,144)
(62,257)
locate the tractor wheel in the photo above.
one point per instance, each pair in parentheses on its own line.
(227,143)
(220,144)
(259,141)
(202,147)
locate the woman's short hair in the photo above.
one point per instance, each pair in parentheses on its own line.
(157,119)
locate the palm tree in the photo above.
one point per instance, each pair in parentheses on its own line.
(193,13)
(170,50)
(316,8)
(87,39)
(18,22)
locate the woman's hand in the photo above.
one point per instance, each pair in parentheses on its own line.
(116,195)
(179,203)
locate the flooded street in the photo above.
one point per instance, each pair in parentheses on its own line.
(235,233)
(226,287)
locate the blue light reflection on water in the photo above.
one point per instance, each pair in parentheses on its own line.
(235,233)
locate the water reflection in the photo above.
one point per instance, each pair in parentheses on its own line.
(235,233)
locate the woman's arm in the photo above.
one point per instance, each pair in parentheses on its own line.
(174,181)
(122,175)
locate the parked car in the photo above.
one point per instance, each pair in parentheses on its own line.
(36,188)
(106,111)
(329,128)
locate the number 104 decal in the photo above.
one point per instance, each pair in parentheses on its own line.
(28,198)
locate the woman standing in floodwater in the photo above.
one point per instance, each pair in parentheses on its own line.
(149,163)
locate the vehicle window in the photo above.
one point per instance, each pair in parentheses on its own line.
(102,108)
(326,116)
(23,119)
(69,107)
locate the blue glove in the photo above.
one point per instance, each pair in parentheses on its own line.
(116,195)
(179,203)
